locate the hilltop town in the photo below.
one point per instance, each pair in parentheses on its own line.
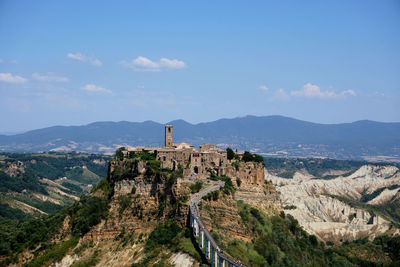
(204,161)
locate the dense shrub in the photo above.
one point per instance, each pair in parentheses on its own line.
(28,180)
(6,212)
(194,188)
(133,190)
(104,186)
(124,202)
(87,212)
(280,241)
(247,156)
(121,173)
(229,153)
(162,235)
(228,187)
(54,253)
(119,154)
(212,196)
(16,236)
(289,207)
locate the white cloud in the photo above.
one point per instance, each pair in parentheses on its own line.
(349,92)
(49,78)
(171,63)
(90,60)
(8,61)
(96,89)
(144,64)
(9,78)
(263,88)
(313,91)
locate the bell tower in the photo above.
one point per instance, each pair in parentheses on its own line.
(169,141)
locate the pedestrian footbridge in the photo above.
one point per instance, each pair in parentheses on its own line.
(203,238)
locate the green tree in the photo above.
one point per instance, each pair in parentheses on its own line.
(230,153)
(119,154)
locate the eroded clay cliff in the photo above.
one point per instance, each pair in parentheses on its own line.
(317,205)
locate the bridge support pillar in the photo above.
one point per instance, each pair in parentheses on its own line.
(205,247)
(194,227)
(208,250)
(202,238)
(212,257)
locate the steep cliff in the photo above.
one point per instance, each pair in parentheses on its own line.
(143,196)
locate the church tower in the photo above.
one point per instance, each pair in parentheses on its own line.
(169,141)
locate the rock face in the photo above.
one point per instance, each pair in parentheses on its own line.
(182,260)
(141,200)
(222,215)
(251,186)
(251,173)
(312,203)
(262,197)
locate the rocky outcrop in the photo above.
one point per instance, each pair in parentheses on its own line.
(251,173)
(222,216)
(312,203)
(141,200)
(14,168)
(182,260)
(263,197)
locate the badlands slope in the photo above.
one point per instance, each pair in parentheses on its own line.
(320,207)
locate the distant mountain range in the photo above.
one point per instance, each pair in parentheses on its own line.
(268,135)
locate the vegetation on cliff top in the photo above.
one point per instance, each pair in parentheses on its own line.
(125,167)
(246,157)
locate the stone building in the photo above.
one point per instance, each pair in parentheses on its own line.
(203,161)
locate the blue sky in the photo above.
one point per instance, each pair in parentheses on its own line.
(76,62)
